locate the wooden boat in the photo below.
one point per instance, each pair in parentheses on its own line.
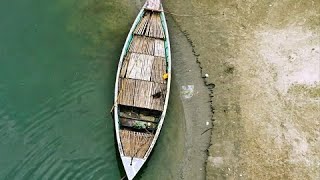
(142,87)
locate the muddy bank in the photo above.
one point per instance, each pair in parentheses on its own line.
(263,59)
(196,105)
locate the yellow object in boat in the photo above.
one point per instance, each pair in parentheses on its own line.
(165,76)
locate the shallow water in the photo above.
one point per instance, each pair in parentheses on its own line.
(58,65)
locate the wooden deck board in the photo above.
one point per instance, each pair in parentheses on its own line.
(142,45)
(148,46)
(158,70)
(159,48)
(150,25)
(141,27)
(154,28)
(125,65)
(157,103)
(140,66)
(135,144)
(139,93)
(142,97)
(126,91)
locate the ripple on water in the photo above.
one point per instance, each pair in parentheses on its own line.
(43,157)
(8,128)
(41,122)
(35,158)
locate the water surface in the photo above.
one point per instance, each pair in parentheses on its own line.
(58,65)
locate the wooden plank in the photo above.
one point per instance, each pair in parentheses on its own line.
(140,29)
(124,66)
(157,102)
(140,66)
(126,92)
(139,93)
(146,67)
(142,97)
(154,72)
(134,67)
(135,144)
(158,70)
(150,25)
(159,48)
(154,27)
(160,33)
(142,45)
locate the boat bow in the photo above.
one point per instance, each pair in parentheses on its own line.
(132,166)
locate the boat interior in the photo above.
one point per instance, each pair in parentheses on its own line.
(142,83)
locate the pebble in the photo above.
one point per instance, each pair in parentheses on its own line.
(207,123)
(206,75)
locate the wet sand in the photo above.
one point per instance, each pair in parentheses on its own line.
(196,105)
(263,64)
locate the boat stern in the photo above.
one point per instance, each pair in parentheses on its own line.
(132,166)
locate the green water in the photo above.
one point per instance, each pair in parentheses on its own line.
(58,62)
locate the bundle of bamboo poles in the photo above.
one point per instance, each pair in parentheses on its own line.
(154,28)
(142,45)
(150,25)
(140,29)
(135,144)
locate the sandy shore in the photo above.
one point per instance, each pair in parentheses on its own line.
(263,62)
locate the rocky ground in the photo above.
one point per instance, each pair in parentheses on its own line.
(264,76)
